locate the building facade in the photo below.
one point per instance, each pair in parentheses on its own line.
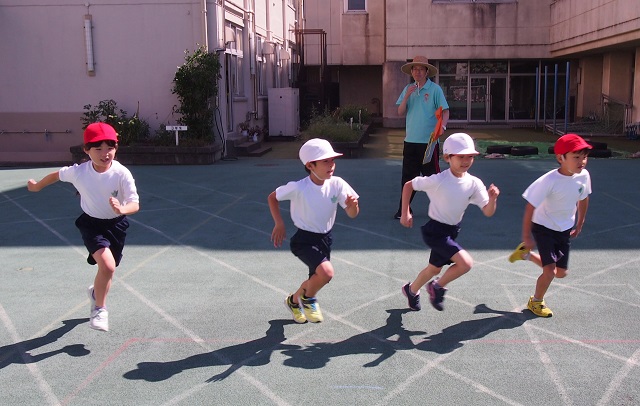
(58,57)
(501,62)
(513,62)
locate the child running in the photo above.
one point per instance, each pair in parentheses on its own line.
(549,219)
(450,192)
(107,195)
(314,201)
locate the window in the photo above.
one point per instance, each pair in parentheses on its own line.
(356,5)
(236,52)
(261,66)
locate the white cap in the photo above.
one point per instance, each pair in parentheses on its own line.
(316,149)
(459,144)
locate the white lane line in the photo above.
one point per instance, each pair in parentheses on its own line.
(618,379)
(545,359)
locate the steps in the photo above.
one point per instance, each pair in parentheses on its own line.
(250,148)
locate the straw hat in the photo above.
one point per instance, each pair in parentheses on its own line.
(420,61)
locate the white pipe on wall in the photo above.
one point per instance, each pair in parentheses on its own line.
(205,25)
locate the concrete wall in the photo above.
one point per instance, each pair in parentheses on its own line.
(44,78)
(636,88)
(361,85)
(584,25)
(138,47)
(466,31)
(588,101)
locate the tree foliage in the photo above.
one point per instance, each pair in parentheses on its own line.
(196,85)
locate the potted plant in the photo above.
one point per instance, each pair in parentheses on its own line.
(243,127)
(257,133)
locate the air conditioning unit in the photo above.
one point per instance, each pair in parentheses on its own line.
(284,112)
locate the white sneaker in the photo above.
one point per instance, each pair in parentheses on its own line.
(92,300)
(99,319)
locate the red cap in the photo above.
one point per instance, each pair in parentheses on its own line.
(99,132)
(570,143)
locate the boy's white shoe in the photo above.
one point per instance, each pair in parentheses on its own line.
(99,319)
(92,300)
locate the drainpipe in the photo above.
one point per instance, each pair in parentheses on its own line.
(205,25)
(251,24)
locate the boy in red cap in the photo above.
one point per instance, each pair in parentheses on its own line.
(107,195)
(314,203)
(556,208)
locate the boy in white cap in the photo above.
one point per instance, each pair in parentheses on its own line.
(314,201)
(550,220)
(107,196)
(450,192)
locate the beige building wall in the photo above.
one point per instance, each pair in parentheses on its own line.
(588,103)
(44,78)
(584,25)
(636,87)
(137,48)
(466,30)
(611,31)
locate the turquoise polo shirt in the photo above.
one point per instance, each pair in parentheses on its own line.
(421,111)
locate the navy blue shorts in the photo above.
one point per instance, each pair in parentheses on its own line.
(441,238)
(553,246)
(103,233)
(311,248)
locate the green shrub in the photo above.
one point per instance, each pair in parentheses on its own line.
(332,127)
(130,130)
(196,85)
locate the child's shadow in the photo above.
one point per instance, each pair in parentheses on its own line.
(453,337)
(252,353)
(376,341)
(18,353)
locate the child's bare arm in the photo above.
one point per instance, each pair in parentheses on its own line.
(406,219)
(489,209)
(581,214)
(34,186)
(279,232)
(126,209)
(352,208)
(527,237)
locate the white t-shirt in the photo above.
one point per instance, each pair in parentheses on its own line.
(449,196)
(96,188)
(314,207)
(555,196)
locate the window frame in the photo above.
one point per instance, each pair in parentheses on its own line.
(347,9)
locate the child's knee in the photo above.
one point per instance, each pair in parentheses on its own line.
(561,272)
(105,260)
(325,271)
(549,271)
(463,261)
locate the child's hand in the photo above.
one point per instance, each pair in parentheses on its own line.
(575,232)
(115,205)
(493,191)
(351,206)
(529,242)
(406,220)
(32,186)
(278,234)
(351,201)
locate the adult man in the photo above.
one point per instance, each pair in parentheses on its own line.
(419,101)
